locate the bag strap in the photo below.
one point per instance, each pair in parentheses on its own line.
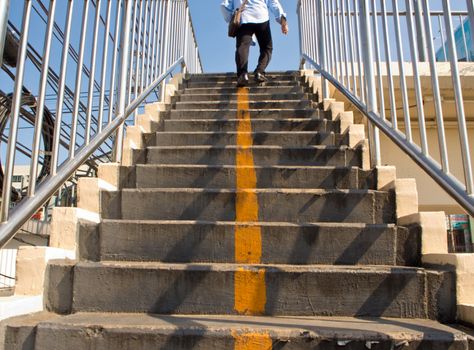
(243,6)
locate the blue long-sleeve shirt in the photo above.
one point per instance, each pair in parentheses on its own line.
(256,11)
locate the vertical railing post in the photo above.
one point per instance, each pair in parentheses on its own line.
(368,59)
(164,56)
(420,31)
(322,48)
(459,99)
(186,39)
(470,10)
(4,9)
(15,114)
(122,91)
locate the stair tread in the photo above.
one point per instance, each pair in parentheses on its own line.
(208,147)
(269,268)
(256,190)
(282,327)
(259,223)
(231,166)
(284,132)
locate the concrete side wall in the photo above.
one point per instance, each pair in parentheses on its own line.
(431,196)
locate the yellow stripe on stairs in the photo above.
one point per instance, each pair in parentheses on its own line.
(249,285)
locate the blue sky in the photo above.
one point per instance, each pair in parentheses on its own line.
(218,50)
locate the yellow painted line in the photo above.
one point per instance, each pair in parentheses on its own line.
(250,292)
(249,286)
(252,341)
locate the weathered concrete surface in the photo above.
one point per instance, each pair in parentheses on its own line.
(290,289)
(103,331)
(463,265)
(466,314)
(263,124)
(31,265)
(233,97)
(262,155)
(283,205)
(226,104)
(288,139)
(216,176)
(225,90)
(282,243)
(275,113)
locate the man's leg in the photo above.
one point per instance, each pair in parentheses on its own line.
(243,42)
(264,38)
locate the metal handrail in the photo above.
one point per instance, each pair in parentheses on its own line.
(128,74)
(363,87)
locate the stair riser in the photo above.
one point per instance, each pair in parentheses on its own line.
(201,290)
(148,176)
(149,204)
(254,114)
(233,78)
(285,156)
(281,244)
(275,104)
(233,84)
(202,339)
(257,125)
(233,97)
(282,89)
(280,139)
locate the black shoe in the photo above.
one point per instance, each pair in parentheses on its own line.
(260,77)
(243,80)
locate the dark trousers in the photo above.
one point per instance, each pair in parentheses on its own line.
(244,40)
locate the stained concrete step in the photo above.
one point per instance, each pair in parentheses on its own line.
(225,90)
(280,76)
(258,125)
(152,331)
(281,138)
(279,290)
(233,97)
(275,205)
(262,155)
(282,243)
(254,113)
(221,103)
(224,176)
(233,83)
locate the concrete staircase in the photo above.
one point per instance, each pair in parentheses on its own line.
(249,220)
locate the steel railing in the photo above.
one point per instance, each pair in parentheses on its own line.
(101,61)
(353,43)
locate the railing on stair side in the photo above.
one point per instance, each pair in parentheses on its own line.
(124,50)
(343,40)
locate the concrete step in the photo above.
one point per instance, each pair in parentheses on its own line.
(280,76)
(281,138)
(225,90)
(224,176)
(233,97)
(152,331)
(280,205)
(282,243)
(262,155)
(258,125)
(233,83)
(254,113)
(226,289)
(228,104)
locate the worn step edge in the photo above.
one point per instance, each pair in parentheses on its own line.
(143,331)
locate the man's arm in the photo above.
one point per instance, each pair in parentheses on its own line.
(227,8)
(280,15)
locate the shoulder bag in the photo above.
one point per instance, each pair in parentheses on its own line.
(234,23)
